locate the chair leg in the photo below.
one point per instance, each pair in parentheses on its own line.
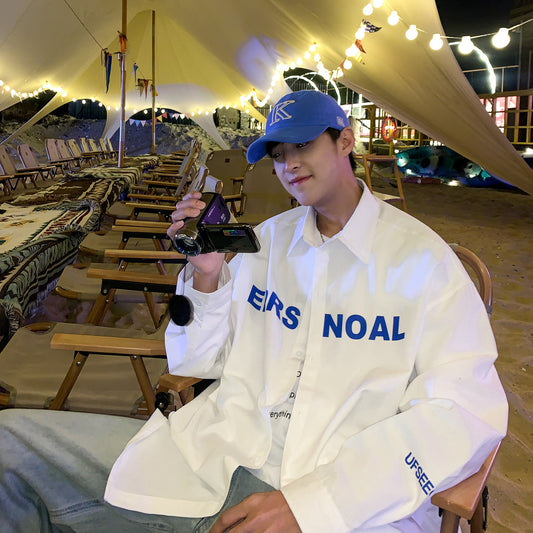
(69,381)
(449,523)
(100,307)
(478,523)
(144,382)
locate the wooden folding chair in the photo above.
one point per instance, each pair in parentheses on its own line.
(30,162)
(468,499)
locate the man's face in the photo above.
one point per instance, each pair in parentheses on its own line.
(309,171)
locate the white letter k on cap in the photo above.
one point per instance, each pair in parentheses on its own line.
(279,112)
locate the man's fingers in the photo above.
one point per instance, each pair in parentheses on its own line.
(228,519)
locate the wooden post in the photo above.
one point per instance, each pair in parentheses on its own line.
(122,58)
(153,83)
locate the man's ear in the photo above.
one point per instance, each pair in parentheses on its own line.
(346,140)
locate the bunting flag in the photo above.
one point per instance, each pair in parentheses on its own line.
(106,59)
(123,39)
(369,27)
(134,72)
(359,45)
(160,118)
(146,83)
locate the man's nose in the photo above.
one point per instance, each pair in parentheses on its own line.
(292,159)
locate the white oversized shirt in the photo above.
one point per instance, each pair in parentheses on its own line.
(398,396)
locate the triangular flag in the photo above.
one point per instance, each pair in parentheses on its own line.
(134,72)
(106,60)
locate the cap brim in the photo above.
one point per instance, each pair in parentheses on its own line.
(300,134)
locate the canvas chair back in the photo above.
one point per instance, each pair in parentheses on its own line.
(74,148)
(227,164)
(63,149)
(103,146)
(6,161)
(111,149)
(52,150)
(264,194)
(92,146)
(84,145)
(27,156)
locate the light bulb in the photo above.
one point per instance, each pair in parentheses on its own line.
(501,39)
(83,101)
(393,18)
(312,48)
(436,43)
(368,10)
(377,3)
(350,52)
(360,33)
(412,32)
(466,45)
(347,64)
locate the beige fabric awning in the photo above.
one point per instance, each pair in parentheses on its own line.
(210,53)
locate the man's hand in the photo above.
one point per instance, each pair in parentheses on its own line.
(207,267)
(262,512)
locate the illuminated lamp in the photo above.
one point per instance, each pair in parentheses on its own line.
(368,10)
(83,102)
(466,46)
(377,3)
(360,33)
(501,39)
(347,64)
(436,42)
(412,32)
(393,18)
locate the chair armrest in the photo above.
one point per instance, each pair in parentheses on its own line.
(463,498)
(144,278)
(153,224)
(147,255)
(176,383)
(109,345)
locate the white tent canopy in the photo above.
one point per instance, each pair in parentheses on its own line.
(211,53)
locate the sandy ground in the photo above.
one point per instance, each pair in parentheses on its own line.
(496,224)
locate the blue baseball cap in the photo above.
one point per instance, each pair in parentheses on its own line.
(298,117)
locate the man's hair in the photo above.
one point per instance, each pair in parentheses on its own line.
(334,135)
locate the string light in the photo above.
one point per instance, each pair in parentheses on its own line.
(466,45)
(501,39)
(412,32)
(436,42)
(394,18)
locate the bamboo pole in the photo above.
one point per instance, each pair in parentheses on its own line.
(153,82)
(122,57)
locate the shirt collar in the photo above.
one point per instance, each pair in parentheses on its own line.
(358,233)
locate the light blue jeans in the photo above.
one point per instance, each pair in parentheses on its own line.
(53,470)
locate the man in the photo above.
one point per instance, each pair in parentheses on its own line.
(352,359)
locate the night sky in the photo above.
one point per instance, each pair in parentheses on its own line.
(477,17)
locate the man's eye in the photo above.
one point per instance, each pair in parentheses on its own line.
(276,155)
(301,145)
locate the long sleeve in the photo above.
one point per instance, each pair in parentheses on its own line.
(198,348)
(453,413)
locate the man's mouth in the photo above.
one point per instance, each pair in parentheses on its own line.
(298,179)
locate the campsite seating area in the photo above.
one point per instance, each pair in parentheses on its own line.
(43,225)
(59,246)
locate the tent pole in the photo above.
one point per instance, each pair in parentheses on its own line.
(153,83)
(123,83)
